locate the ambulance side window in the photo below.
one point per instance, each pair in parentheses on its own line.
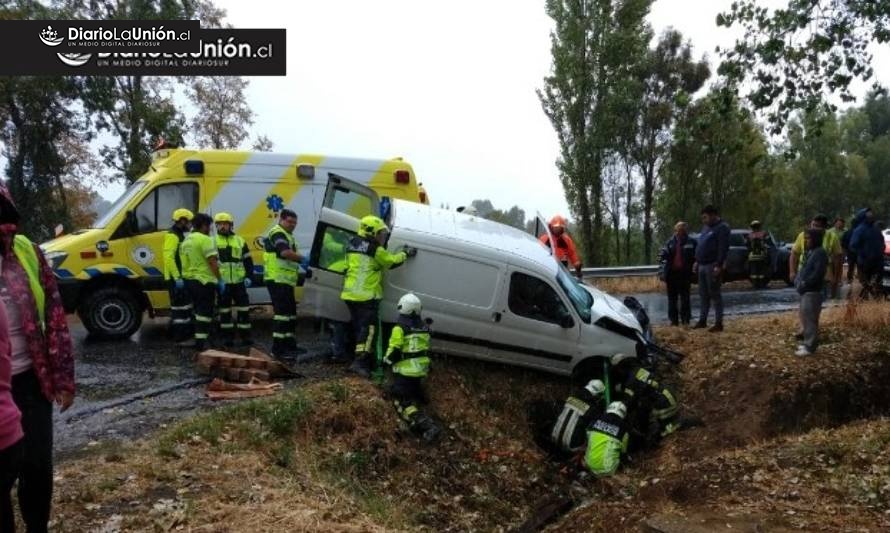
(332,249)
(154,212)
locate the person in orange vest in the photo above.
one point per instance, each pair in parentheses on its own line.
(566,253)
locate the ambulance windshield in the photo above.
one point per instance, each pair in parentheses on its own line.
(120,203)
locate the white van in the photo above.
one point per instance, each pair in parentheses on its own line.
(493,291)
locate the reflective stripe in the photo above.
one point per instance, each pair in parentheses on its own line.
(416,367)
(227,325)
(279,335)
(225,309)
(182,308)
(200,318)
(243,326)
(242,309)
(201,335)
(281,318)
(181,321)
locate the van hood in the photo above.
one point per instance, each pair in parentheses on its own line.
(609,306)
(73,241)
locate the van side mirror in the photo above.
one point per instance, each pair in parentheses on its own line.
(566,322)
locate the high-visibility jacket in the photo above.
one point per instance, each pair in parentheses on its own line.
(234,258)
(606,442)
(409,346)
(333,253)
(569,433)
(757,246)
(643,390)
(196,250)
(566,253)
(366,260)
(172,260)
(27,256)
(278,269)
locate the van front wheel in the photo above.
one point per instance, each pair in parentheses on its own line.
(111,313)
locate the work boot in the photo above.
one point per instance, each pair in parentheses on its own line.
(425,427)
(361,365)
(716,328)
(700,325)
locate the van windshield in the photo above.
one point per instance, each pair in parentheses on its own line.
(581,300)
(120,203)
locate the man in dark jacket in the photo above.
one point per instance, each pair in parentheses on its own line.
(710,260)
(676,272)
(809,282)
(867,243)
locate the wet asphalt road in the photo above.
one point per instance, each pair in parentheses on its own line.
(129,389)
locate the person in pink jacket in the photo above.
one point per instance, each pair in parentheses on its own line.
(10,429)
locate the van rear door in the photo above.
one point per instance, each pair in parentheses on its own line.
(345,203)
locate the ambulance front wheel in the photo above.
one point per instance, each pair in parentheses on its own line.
(111,313)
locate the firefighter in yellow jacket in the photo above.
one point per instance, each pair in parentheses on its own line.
(201,263)
(235,268)
(366,261)
(180,301)
(408,356)
(282,263)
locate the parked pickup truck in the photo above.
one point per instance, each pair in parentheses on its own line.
(493,292)
(737,259)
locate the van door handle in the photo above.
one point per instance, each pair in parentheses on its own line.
(496,316)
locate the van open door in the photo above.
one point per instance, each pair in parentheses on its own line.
(542,229)
(345,203)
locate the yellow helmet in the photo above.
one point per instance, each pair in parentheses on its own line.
(224,217)
(370,226)
(182,213)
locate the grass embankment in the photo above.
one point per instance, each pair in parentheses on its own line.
(783,448)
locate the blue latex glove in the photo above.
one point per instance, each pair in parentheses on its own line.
(179,284)
(222,286)
(305,262)
(247,283)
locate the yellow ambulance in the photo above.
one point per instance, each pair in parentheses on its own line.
(113,272)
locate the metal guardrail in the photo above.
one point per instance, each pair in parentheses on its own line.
(620,272)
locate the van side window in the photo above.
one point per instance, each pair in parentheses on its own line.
(533,298)
(332,249)
(154,212)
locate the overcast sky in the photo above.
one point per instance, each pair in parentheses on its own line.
(448,85)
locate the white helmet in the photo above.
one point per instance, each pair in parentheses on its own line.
(617,408)
(619,358)
(409,304)
(595,387)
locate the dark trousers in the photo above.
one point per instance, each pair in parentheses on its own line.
(709,289)
(757,270)
(851,266)
(678,285)
(203,298)
(870,274)
(180,312)
(407,394)
(363,318)
(10,462)
(234,299)
(284,305)
(342,341)
(36,466)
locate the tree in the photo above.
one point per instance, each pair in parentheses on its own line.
(223,115)
(137,110)
(263,144)
(795,57)
(36,116)
(670,77)
(515,216)
(716,158)
(595,45)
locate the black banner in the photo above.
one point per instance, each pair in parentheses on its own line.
(91,36)
(223,52)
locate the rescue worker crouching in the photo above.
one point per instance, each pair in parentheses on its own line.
(654,407)
(202,275)
(607,441)
(366,261)
(569,433)
(566,253)
(235,267)
(408,356)
(282,271)
(180,301)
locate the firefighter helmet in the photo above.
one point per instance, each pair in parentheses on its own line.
(181,213)
(370,226)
